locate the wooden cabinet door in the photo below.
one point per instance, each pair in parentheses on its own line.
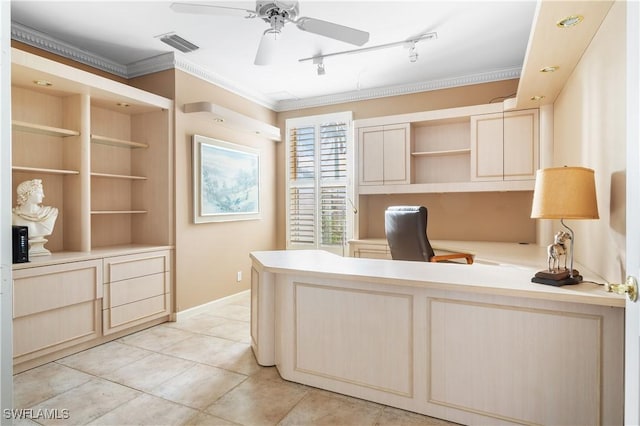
(486,147)
(504,146)
(396,155)
(384,155)
(371,155)
(521,144)
(55,307)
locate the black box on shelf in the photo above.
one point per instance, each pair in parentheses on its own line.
(20,240)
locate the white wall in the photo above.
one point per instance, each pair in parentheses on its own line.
(589,131)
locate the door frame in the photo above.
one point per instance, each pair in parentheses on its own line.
(632,314)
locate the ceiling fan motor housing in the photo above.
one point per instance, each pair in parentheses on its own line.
(266,10)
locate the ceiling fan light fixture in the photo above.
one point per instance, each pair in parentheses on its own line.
(267,47)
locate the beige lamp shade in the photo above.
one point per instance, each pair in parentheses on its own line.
(565,193)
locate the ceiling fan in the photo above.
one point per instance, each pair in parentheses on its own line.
(276,13)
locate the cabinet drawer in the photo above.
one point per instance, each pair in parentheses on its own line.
(131,314)
(135,289)
(136,265)
(53,330)
(51,287)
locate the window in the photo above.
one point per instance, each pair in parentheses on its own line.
(319,182)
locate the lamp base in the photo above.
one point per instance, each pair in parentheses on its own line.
(557,277)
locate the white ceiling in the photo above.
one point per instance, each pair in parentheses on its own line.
(476,41)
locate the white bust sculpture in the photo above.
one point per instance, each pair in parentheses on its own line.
(39,219)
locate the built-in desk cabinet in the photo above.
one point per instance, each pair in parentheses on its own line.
(136,289)
(374,248)
(384,153)
(505,146)
(74,300)
(55,307)
(467,149)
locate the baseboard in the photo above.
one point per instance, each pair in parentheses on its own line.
(187,313)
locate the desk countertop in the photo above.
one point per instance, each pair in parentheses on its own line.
(500,268)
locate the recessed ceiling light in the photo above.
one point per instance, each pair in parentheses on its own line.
(123,104)
(218,120)
(550,69)
(570,21)
(43,83)
(537,97)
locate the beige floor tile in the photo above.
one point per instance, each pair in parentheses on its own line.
(238,331)
(204,419)
(397,417)
(156,338)
(147,410)
(197,324)
(21,421)
(41,383)
(87,402)
(216,352)
(105,358)
(324,408)
(242,299)
(258,402)
(149,372)
(233,311)
(199,386)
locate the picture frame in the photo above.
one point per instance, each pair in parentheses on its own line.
(226,181)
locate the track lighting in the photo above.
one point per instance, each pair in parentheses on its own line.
(413,55)
(411,43)
(320,70)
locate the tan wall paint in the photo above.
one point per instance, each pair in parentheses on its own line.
(485,216)
(209,255)
(505,216)
(589,131)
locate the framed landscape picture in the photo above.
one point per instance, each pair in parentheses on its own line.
(226,181)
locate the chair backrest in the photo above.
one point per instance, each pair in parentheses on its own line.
(406,231)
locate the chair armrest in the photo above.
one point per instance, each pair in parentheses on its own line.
(443,257)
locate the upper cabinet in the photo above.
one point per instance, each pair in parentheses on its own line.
(467,149)
(505,146)
(102,149)
(384,154)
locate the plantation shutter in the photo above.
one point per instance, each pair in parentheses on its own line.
(318,182)
(302,195)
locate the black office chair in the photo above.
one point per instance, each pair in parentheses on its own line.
(406,230)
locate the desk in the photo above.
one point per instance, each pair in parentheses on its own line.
(474,344)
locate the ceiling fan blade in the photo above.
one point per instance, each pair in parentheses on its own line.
(266,48)
(210,9)
(331,30)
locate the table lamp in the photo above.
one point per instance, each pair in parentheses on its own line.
(563,193)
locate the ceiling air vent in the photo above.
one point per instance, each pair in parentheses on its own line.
(178,43)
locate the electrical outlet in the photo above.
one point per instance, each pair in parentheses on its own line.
(239,276)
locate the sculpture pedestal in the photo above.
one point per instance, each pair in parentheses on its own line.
(36,247)
(557,277)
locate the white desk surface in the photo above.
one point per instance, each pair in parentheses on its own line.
(499,268)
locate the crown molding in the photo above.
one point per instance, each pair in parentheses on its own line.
(381,92)
(176,60)
(196,70)
(43,41)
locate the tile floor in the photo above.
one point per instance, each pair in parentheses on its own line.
(197,371)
